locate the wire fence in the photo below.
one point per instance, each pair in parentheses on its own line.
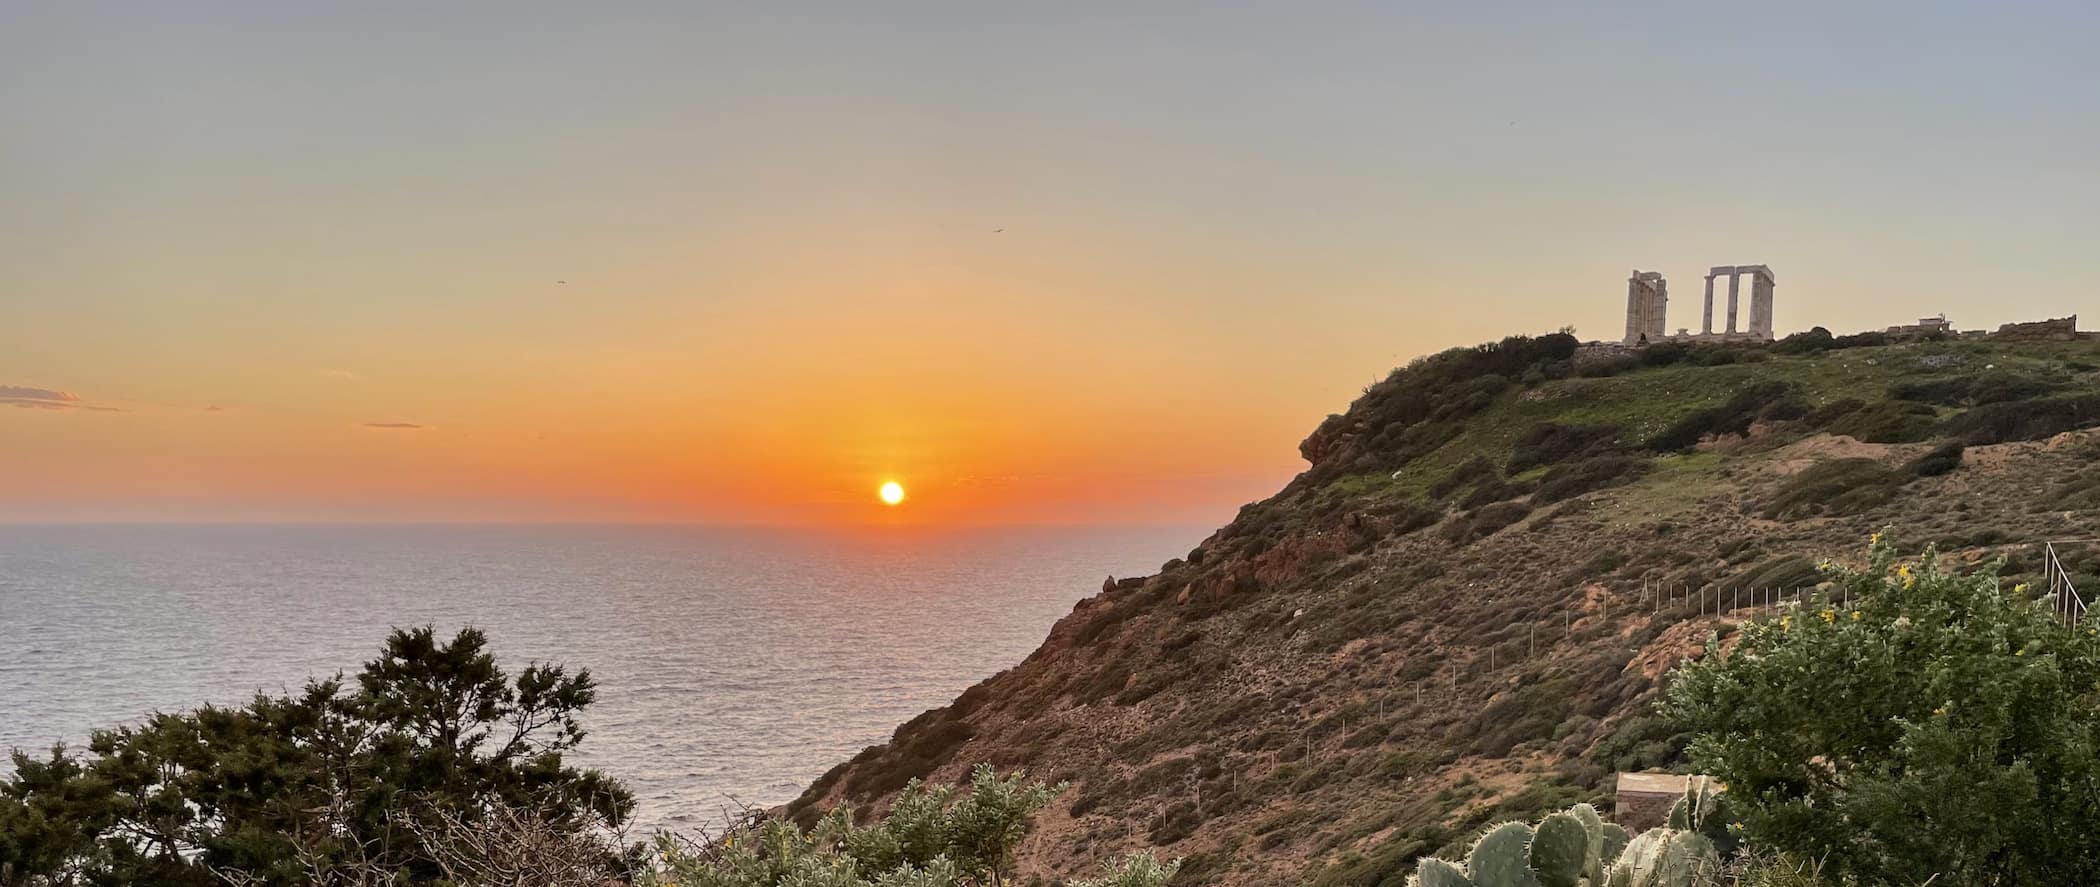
(2069,605)
(1684,602)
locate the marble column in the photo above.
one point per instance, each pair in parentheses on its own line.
(1735,280)
(1706,323)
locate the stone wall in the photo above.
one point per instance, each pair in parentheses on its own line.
(1589,353)
(2061,329)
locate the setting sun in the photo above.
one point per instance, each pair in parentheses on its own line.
(892,492)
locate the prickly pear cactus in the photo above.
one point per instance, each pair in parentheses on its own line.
(1560,851)
(1434,872)
(1691,811)
(1502,857)
(1666,857)
(1614,843)
(1577,848)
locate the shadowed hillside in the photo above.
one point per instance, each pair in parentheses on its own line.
(1451,616)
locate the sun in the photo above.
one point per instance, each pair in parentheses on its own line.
(892,492)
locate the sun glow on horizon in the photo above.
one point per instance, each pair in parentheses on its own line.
(892,492)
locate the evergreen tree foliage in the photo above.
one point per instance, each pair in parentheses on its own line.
(344,775)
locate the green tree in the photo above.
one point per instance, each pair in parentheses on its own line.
(1911,725)
(335,778)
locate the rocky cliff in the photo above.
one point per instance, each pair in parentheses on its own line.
(1461,610)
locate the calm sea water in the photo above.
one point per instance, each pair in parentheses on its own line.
(732,663)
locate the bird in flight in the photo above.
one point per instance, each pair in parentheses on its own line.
(998,230)
(561,281)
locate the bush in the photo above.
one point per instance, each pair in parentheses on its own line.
(1836,487)
(1466,473)
(1664,354)
(1830,412)
(1610,366)
(335,781)
(1569,481)
(1989,388)
(1486,521)
(1785,571)
(1930,729)
(1492,491)
(1731,417)
(1860,340)
(1942,459)
(1549,443)
(1950,391)
(2026,419)
(1814,340)
(2079,492)
(1418,407)
(1888,421)
(930,838)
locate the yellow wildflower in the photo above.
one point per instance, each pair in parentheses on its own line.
(2019,652)
(1855,615)
(1830,616)
(1874,539)
(2020,588)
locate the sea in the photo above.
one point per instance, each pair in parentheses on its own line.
(734,665)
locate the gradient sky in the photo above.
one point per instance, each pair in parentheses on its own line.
(296,261)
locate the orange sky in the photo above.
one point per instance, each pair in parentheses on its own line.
(1066,263)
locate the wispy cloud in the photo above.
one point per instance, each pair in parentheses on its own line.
(339,374)
(396,426)
(38,398)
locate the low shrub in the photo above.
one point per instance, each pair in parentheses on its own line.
(1836,487)
(2080,492)
(2034,419)
(1550,443)
(1610,366)
(1822,416)
(1941,459)
(1483,522)
(1466,473)
(1978,390)
(1731,417)
(1949,391)
(1569,481)
(1888,421)
(1785,571)
(930,837)
(1495,490)
(1808,342)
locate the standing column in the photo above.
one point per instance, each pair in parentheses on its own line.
(1706,323)
(1735,280)
(1764,284)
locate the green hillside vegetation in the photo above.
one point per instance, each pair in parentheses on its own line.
(1463,611)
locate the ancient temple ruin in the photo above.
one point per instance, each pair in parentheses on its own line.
(1648,299)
